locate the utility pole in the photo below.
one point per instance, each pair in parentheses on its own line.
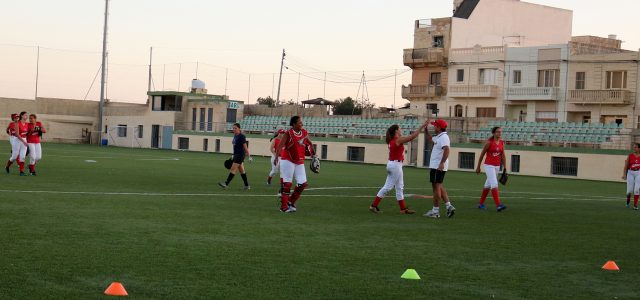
(37,71)
(249,91)
(280,79)
(298,97)
(395,87)
(150,61)
(324,89)
(226,80)
(104,68)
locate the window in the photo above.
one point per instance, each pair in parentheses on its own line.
(435,79)
(203,111)
(183,143)
(231,115)
(466,160)
(580,80)
(486,112)
(210,119)
(487,76)
(567,166)
(355,154)
(549,116)
(167,103)
(549,78)
(616,79)
(122,130)
(458,111)
(517,77)
(140,131)
(217,145)
(438,41)
(205,145)
(106,129)
(324,153)
(515,163)
(194,114)
(460,75)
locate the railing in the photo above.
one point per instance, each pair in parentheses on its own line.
(422,90)
(423,56)
(477,50)
(600,96)
(473,91)
(533,93)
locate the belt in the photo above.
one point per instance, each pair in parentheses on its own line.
(397,160)
(638,169)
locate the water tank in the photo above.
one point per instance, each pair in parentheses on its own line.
(197,84)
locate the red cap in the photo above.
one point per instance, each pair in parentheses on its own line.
(13,116)
(281,131)
(440,123)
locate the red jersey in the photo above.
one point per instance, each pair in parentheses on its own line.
(396,152)
(11,129)
(296,146)
(494,154)
(23,129)
(34,133)
(634,162)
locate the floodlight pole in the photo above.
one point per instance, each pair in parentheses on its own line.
(280,79)
(103,69)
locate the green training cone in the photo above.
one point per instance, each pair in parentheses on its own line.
(410,274)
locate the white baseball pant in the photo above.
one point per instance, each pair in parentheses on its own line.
(289,171)
(395,179)
(274,168)
(492,176)
(35,153)
(633,182)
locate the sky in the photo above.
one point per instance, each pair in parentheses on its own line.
(236,46)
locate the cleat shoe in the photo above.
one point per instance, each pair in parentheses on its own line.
(223,185)
(22,174)
(432,214)
(7,169)
(481,206)
(374,209)
(501,207)
(287,211)
(33,173)
(635,208)
(292,207)
(451,211)
(247,187)
(407,211)
(627,202)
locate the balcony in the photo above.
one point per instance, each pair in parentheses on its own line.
(473,91)
(424,56)
(421,91)
(533,93)
(597,97)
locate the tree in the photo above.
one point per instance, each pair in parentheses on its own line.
(267,101)
(347,106)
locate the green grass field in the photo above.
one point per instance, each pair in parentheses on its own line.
(157,222)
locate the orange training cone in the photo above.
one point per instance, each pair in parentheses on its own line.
(611,266)
(116,289)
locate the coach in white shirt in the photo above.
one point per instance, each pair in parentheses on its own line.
(438,165)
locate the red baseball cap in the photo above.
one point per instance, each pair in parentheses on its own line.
(13,116)
(440,123)
(281,131)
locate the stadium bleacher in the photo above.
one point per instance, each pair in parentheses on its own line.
(328,126)
(550,132)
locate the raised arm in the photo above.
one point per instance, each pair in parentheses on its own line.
(412,136)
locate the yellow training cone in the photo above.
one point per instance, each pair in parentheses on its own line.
(410,274)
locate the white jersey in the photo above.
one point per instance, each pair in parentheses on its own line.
(439,142)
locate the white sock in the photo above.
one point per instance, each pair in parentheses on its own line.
(448,204)
(436,209)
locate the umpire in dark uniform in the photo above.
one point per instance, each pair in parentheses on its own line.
(240,151)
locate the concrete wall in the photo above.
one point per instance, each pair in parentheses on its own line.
(494,22)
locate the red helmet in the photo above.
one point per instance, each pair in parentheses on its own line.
(13,116)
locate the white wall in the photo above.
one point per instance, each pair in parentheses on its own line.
(493,20)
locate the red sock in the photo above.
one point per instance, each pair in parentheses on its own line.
(485,192)
(635,200)
(496,197)
(9,163)
(32,168)
(402,204)
(21,164)
(376,201)
(284,199)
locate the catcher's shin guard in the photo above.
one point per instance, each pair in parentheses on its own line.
(297,192)
(284,198)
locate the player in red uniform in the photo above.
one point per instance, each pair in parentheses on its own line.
(632,175)
(33,142)
(275,141)
(13,139)
(494,149)
(22,128)
(296,145)
(395,177)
